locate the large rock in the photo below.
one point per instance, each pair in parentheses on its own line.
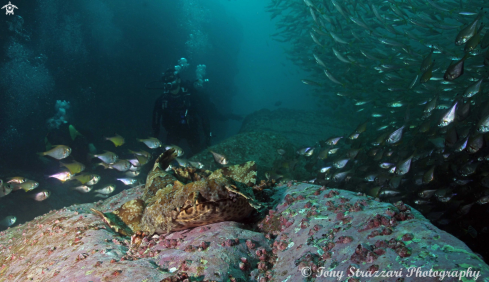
(310,227)
(260,147)
(302,128)
(323,230)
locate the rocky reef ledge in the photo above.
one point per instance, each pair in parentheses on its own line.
(310,231)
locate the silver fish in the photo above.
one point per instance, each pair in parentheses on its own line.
(62,176)
(94,180)
(83,188)
(8,221)
(333,151)
(5,188)
(333,141)
(120,165)
(177,149)
(198,165)
(106,190)
(427,194)
(182,162)
(395,136)
(340,163)
(340,176)
(59,152)
(127,181)
(421,202)
(152,142)
(132,173)
(41,195)
(473,89)
(325,169)
(107,157)
(403,166)
(389,193)
(307,151)
(219,158)
(448,117)
(483,125)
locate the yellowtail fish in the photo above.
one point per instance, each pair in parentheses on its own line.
(73,132)
(117,140)
(427,74)
(219,158)
(74,167)
(142,159)
(362,127)
(62,176)
(152,142)
(427,62)
(26,186)
(87,178)
(323,154)
(59,152)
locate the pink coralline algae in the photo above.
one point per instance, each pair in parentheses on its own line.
(308,227)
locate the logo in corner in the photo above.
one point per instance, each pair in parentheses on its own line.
(9,8)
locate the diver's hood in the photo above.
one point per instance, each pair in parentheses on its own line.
(168,82)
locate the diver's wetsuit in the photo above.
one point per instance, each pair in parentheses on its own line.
(183,116)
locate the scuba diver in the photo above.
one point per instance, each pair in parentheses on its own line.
(183,111)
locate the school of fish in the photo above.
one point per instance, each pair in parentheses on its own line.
(412,72)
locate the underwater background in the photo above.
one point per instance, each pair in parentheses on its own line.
(370,72)
(97,56)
